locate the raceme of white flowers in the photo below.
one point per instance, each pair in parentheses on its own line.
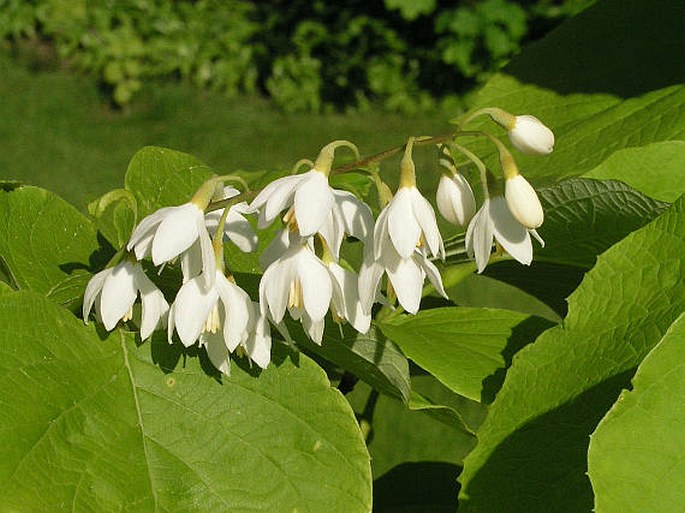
(304,272)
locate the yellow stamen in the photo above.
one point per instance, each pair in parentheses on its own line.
(295,296)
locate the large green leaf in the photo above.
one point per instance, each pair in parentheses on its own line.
(585,217)
(637,452)
(91,424)
(655,169)
(159,177)
(610,78)
(45,242)
(459,346)
(558,388)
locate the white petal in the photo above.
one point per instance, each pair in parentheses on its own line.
(313,202)
(275,250)
(348,282)
(423,211)
(258,344)
(432,273)
(511,235)
(523,202)
(455,200)
(531,136)
(333,231)
(356,215)
(218,352)
(239,231)
(370,275)
(313,328)
(317,289)
(208,256)
(118,295)
(380,232)
(275,197)
(407,280)
(191,308)
(94,288)
(147,226)
(191,261)
(535,234)
(176,232)
(274,288)
(479,236)
(212,220)
(403,228)
(237,307)
(154,306)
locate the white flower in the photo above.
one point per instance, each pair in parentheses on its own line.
(300,282)
(408,222)
(236,228)
(117,288)
(222,317)
(530,136)
(495,220)
(345,303)
(309,194)
(405,274)
(314,207)
(455,199)
(170,231)
(523,202)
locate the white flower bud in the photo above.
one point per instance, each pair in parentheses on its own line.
(523,202)
(455,200)
(530,136)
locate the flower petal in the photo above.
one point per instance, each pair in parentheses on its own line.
(403,228)
(407,280)
(276,249)
(154,306)
(479,236)
(356,215)
(347,285)
(425,216)
(239,230)
(511,234)
(258,344)
(314,328)
(317,289)
(313,201)
(370,275)
(118,295)
(147,226)
(191,261)
(237,308)
(275,197)
(274,288)
(380,232)
(176,232)
(217,352)
(94,288)
(432,273)
(191,308)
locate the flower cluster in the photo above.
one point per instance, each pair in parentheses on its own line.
(304,272)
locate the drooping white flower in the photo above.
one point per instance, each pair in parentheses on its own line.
(406,275)
(309,195)
(299,282)
(314,207)
(220,315)
(454,199)
(495,221)
(530,136)
(257,345)
(237,229)
(117,289)
(170,231)
(408,222)
(523,202)
(345,303)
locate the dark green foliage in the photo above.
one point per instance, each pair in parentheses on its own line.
(307,56)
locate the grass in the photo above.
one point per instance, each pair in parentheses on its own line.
(56,132)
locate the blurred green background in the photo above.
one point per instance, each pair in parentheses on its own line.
(241,85)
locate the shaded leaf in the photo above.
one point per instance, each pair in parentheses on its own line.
(460,346)
(636,453)
(558,389)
